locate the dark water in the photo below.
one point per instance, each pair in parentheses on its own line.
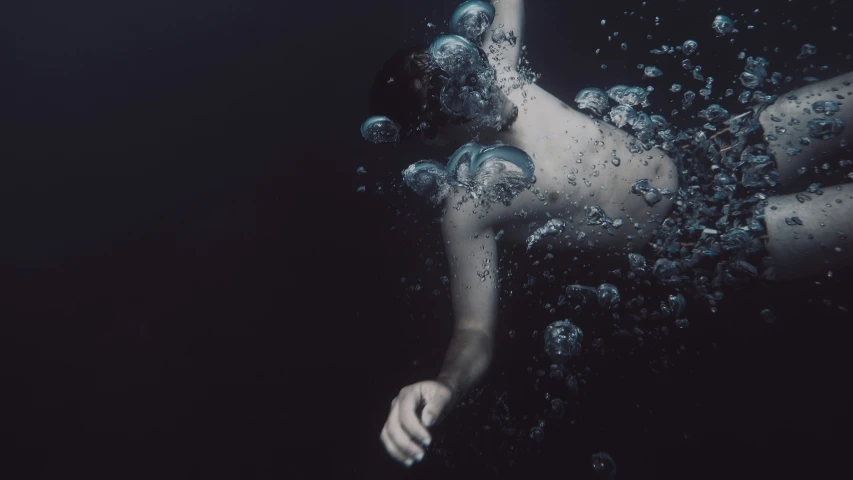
(192,287)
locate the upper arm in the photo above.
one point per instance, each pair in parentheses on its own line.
(472,255)
(510,15)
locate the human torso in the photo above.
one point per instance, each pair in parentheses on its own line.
(575,167)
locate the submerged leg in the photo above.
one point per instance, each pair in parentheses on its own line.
(821,243)
(789,113)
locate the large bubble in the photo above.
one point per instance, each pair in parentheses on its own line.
(425,177)
(460,161)
(379,129)
(469,90)
(622,115)
(506,153)
(471,19)
(497,173)
(593,99)
(455,55)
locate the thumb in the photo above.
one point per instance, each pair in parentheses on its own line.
(434,408)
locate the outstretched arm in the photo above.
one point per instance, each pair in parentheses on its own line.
(472,255)
(509,17)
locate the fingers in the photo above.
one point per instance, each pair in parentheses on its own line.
(398,443)
(392,449)
(401,439)
(409,421)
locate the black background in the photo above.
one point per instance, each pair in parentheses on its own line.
(192,287)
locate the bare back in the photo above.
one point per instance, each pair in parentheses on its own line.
(579,162)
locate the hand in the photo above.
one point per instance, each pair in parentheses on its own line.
(405,435)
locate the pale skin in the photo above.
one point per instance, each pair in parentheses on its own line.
(556,136)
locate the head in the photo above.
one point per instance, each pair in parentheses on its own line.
(409,88)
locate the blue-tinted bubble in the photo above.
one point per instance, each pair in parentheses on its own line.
(714,113)
(631,96)
(723,25)
(807,50)
(622,115)
(379,129)
(643,123)
(755,72)
(826,107)
(652,72)
(507,153)
(825,129)
(425,177)
(471,19)
(455,55)
(593,99)
(462,157)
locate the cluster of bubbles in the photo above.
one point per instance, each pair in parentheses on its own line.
(718,212)
(496,173)
(709,241)
(552,227)
(469,90)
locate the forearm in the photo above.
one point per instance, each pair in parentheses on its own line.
(467,360)
(504,55)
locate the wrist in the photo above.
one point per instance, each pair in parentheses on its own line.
(451,384)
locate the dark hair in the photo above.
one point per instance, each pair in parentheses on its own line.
(407,90)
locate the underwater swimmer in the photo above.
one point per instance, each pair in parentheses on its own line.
(567,144)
